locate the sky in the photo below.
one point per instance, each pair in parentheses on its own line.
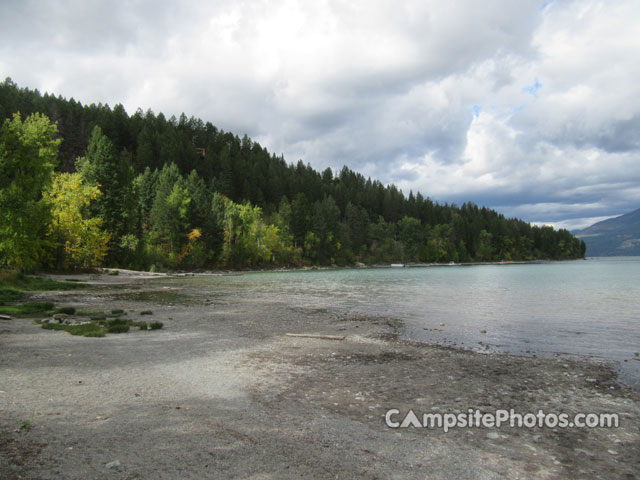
(528,107)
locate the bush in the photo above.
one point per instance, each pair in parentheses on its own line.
(117,311)
(118,321)
(155,325)
(141,325)
(146,312)
(10,295)
(26,309)
(27,283)
(119,328)
(86,329)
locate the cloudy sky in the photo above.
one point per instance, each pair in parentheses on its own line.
(529,107)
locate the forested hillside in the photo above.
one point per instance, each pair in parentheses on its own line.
(619,236)
(145,191)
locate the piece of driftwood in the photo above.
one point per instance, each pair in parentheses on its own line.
(5,317)
(311,335)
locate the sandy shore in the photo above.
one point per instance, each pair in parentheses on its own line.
(222,392)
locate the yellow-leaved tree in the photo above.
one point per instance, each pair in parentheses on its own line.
(79,241)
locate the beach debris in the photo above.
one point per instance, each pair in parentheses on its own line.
(5,317)
(114,464)
(483,331)
(312,335)
(442,324)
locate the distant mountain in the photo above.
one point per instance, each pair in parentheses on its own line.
(619,236)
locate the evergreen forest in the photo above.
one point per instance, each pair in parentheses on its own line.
(83,186)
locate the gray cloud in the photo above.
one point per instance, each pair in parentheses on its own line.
(530,107)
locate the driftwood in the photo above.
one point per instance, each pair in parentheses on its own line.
(5,317)
(311,335)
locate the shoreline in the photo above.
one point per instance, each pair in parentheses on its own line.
(222,391)
(182,273)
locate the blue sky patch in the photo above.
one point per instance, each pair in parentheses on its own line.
(533,89)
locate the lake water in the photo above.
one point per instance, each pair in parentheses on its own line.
(582,308)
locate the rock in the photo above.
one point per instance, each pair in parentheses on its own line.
(114,464)
(483,331)
(360,265)
(493,435)
(441,324)
(60,317)
(612,452)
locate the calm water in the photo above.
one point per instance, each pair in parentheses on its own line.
(582,308)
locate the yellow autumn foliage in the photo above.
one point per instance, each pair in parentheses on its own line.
(80,241)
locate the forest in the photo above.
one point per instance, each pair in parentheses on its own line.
(83,186)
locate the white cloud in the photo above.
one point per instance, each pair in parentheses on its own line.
(528,108)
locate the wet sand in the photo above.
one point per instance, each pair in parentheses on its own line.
(222,392)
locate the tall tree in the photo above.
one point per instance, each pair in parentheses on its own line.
(78,240)
(113,174)
(28,155)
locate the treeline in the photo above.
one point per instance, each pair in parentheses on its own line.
(151,192)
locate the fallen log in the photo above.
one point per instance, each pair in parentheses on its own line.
(5,317)
(312,335)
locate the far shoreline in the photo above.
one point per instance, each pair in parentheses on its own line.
(306,268)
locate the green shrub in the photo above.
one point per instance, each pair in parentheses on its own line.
(27,308)
(141,325)
(28,283)
(146,312)
(118,321)
(118,328)
(54,326)
(155,325)
(10,295)
(87,329)
(118,311)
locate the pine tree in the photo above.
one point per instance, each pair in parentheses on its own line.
(113,175)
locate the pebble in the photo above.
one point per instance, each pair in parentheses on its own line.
(493,436)
(114,464)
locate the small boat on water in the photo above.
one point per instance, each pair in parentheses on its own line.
(397,265)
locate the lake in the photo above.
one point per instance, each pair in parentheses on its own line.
(587,308)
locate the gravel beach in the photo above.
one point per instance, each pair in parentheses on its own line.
(222,392)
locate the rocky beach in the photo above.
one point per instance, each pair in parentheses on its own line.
(221,391)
